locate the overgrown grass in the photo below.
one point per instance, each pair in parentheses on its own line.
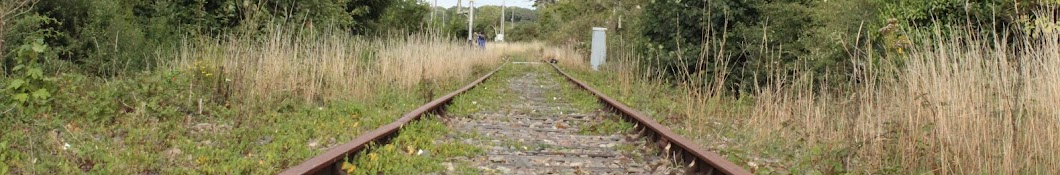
(952,104)
(414,151)
(423,152)
(243,105)
(494,94)
(608,124)
(488,93)
(569,92)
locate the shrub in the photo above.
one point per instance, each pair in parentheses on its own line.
(30,87)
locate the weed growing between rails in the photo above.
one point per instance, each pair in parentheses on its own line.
(501,104)
(414,151)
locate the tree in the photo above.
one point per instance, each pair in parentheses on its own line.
(523,31)
(8,10)
(405,15)
(543,3)
(677,31)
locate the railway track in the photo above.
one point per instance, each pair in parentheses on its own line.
(537,130)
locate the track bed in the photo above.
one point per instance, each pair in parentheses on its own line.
(536,131)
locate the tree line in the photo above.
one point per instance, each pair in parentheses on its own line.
(752,38)
(107,37)
(746,38)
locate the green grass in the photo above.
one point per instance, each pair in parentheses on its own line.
(494,94)
(611,124)
(662,105)
(413,151)
(400,156)
(569,92)
(486,95)
(151,123)
(584,101)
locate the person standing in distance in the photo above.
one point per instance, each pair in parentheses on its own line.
(481,40)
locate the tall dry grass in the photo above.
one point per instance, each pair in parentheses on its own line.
(953,104)
(334,66)
(565,55)
(957,105)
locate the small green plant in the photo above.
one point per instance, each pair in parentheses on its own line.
(610,124)
(29,84)
(414,151)
(3,158)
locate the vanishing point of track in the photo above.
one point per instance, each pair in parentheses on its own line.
(567,151)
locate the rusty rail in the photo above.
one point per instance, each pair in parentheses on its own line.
(699,160)
(328,163)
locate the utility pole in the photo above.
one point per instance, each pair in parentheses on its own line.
(434,9)
(504,5)
(459,8)
(470,20)
(459,5)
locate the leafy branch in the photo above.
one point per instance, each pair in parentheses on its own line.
(30,86)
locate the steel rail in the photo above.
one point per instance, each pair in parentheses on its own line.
(698,159)
(328,162)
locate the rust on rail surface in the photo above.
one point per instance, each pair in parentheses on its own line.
(699,159)
(328,163)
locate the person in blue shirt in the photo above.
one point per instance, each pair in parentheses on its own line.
(481,40)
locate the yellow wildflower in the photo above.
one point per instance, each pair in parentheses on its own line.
(348,167)
(371,157)
(410,150)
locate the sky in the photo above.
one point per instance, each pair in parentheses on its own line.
(520,3)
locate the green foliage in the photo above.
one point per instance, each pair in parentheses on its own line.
(111,39)
(571,22)
(31,30)
(755,38)
(989,18)
(135,120)
(788,37)
(954,13)
(30,87)
(8,157)
(487,21)
(157,95)
(491,91)
(405,16)
(414,151)
(675,30)
(523,31)
(115,37)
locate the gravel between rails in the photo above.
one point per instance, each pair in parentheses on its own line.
(539,134)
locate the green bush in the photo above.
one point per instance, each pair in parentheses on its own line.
(30,29)
(162,94)
(757,38)
(30,87)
